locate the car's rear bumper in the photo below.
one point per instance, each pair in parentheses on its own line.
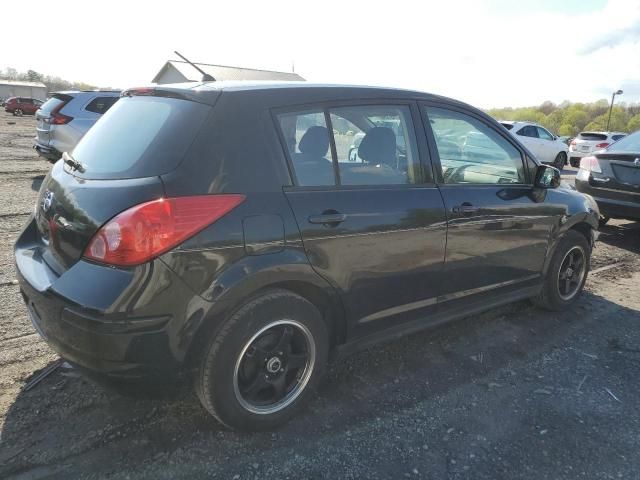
(625,206)
(47,152)
(108,321)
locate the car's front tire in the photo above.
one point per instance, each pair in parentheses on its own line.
(264,363)
(567,272)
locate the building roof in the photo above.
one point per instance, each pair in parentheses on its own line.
(18,83)
(224,72)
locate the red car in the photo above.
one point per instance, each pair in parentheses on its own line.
(22,105)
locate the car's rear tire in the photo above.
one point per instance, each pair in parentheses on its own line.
(575,162)
(264,363)
(18,112)
(567,272)
(560,161)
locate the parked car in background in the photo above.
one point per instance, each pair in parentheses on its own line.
(217,230)
(66,117)
(587,142)
(22,105)
(612,177)
(543,144)
(566,139)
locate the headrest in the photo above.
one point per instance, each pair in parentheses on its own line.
(378,146)
(315,141)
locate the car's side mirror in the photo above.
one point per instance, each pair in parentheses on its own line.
(547,177)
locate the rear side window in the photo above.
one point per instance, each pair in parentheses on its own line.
(615,138)
(140,137)
(592,136)
(54,102)
(100,104)
(374,145)
(508,126)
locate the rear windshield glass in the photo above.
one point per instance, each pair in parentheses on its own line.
(508,126)
(592,136)
(139,137)
(54,102)
(630,143)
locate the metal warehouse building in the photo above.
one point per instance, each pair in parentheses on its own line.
(11,88)
(175,71)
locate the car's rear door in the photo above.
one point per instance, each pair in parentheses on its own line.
(499,225)
(528,135)
(375,228)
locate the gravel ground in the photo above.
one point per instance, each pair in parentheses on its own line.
(517,393)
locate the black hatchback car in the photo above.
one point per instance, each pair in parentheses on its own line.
(612,176)
(223,229)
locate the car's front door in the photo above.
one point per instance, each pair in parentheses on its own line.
(374,228)
(499,225)
(548,146)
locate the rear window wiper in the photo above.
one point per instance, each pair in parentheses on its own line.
(72,162)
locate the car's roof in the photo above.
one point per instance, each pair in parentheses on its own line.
(194,89)
(77,92)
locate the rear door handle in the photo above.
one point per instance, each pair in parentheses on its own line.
(464,208)
(328,218)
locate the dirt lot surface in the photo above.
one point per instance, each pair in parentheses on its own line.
(517,393)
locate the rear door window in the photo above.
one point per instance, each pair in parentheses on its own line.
(528,131)
(355,145)
(140,137)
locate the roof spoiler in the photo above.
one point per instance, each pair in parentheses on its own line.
(205,76)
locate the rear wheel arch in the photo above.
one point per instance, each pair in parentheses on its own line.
(320,297)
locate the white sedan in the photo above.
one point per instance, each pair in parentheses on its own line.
(544,145)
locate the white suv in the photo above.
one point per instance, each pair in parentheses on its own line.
(587,142)
(543,144)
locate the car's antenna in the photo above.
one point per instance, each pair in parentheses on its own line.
(205,76)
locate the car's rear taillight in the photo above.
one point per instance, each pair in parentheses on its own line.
(602,145)
(150,229)
(573,142)
(590,164)
(57,118)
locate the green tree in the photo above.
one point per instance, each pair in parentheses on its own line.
(634,123)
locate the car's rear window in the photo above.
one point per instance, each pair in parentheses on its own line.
(55,101)
(139,137)
(630,143)
(592,136)
(508,126)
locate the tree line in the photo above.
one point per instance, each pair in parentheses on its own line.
(53,84)
(572,118)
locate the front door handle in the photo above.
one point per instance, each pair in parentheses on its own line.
(465,208)
(328,218)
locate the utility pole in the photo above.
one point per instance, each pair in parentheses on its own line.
(618,92)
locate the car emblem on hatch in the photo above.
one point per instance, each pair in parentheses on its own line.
(47,200)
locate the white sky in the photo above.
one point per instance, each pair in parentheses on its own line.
(490,53)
